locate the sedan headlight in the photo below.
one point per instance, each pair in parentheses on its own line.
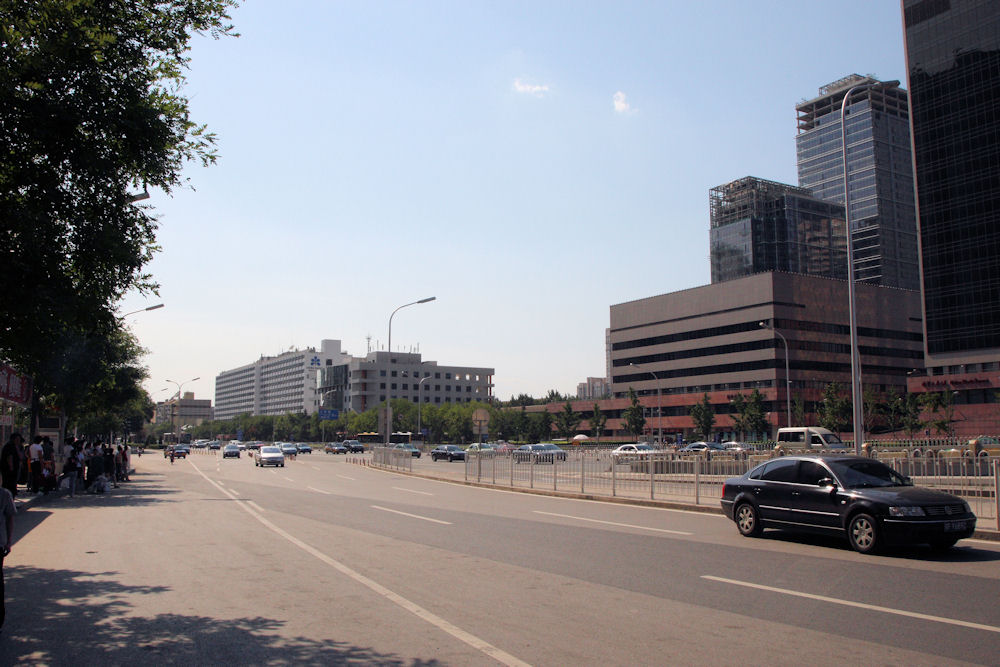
(906,511)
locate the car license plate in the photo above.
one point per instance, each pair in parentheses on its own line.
(954,526)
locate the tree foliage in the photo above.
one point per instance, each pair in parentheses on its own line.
(597,422)
(635,420)
(567,422)
(835,408)
(704,418)
(90,113)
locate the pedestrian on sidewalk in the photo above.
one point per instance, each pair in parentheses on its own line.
(7,512)
(11,461)
(35,464)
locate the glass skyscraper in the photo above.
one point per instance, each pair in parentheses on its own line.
(883,217)
(759,225)
(953,60)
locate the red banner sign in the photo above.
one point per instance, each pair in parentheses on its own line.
(14,387)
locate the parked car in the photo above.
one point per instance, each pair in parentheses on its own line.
(231,452)
(304,448)
(354,446)
(334,448)
(269,455)
(863,499)
(450,452)
(539,454)
(631,451)
(414,452)
(702,446)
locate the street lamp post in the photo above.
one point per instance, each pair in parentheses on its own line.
(856,394)
(388,403)
(788,377)
(659,405)
(420,405)
(143,310)
(179,385)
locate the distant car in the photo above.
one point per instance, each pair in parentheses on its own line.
(414,452)
(735,446)
(215,444)
(181,451)
(632,451)
(304,448)
(702,447)
(450,452)
(269,455)
(477,448)
(334,448)
(504,448)
(289,449)
(354,446)
(546,453)
(231,452)
(253,445)
(860,498)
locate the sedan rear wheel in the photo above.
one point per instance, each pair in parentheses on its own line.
(864,534)
(748,521)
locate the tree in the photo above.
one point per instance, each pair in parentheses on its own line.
(756,415)
(567,421)
(90,112)
(635,420)
(597,422)
(835,408)
(873,409)
(704,418)
(739,405)
(798,410)
(941,405)
(910,415)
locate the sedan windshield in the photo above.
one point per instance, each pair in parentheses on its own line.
(866,473)
(270,450)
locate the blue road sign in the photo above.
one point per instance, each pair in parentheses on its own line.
(328,414)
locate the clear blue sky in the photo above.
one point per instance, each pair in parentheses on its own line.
(528,163)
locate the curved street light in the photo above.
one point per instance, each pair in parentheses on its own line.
(856,394)
(142,310)
(420,405)
(179,385)
(388,403)
(659,404)
(788,378)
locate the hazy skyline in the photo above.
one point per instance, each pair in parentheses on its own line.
(529,164)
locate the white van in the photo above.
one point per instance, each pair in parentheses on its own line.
(808,437)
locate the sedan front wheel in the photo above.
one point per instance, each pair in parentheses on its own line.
(748,521)
(864,534)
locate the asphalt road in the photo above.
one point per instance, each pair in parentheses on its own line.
(211,561)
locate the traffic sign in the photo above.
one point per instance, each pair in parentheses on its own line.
(328,414)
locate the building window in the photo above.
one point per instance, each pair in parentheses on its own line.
(437,387)
(437,376)
(393,385)
(381,373)
(381,385)
(406,386)
(394,374)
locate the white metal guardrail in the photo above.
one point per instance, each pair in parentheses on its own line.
(699,478)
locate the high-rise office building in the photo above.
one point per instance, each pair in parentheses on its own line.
(953,73)
(883,217)
(759,225)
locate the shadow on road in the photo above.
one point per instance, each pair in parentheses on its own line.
(963,552)
(71,617)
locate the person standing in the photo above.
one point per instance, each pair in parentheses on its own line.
(35,464)
(11,461)
(7,512)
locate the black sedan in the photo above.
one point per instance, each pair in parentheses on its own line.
(861,498)
(231,451)
(450,452)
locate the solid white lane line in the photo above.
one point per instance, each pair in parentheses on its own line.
(235,492)
(346,477)
(615,523)
(254,505)
(412,516)
(289,478)
(475,642)
(313,488)
(858,605)
(423,493)
(314,467)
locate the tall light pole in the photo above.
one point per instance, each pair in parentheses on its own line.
(179,385)
(420,405)
(788,377)
(143,310)
(856,393)
(659,405)
(388,403)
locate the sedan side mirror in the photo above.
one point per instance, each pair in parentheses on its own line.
(827,482)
